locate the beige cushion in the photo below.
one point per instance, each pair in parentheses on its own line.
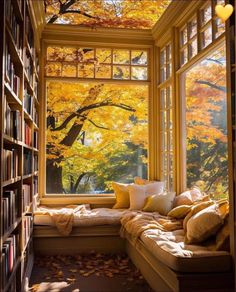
(122,195)
(203,224)
(180,211)
(195,209)
(188,197)
(138,193)
(161,203)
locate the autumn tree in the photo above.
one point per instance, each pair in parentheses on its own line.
(89,127)
(101,13)
(206,124)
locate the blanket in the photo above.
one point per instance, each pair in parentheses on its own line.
(135,223)
(63,218)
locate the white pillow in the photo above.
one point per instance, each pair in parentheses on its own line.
(161,203)
(138,193)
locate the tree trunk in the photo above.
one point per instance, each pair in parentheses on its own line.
(54,178)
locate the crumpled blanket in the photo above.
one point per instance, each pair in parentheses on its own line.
(63,218)
(135,223)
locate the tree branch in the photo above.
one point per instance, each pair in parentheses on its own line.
(97,126)
(79,112)
(63,8)
(80,12)
(218,87)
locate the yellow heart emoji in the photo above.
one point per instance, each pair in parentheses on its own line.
(224,12)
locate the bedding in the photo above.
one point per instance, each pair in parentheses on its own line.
(82,217)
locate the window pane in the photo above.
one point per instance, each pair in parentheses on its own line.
(168,53)
(206,14)
(163,57)
(121,57)
(183,36)
(192,28)
(69,70)
(86,55)
(206,37)
(206,125)
(103,55)
(139,73)
(96,134)
(86,71)
(121,72)
(55,54)
(184,56)
(220,27)
(193,48)
(53,69)
(163,98)
(138,58)
(103,71)
(70,54)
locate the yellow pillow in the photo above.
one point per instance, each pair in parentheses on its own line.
(203,224)
(122,195)
(180,211)
(161,203)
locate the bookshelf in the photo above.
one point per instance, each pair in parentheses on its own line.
(18,143)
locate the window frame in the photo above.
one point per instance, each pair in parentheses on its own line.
(88,198)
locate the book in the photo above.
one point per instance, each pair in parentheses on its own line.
(12,121)
(10,164)
(26,196)
(27,135)
(27,162)
(10,208)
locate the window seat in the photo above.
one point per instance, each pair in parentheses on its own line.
(163,258)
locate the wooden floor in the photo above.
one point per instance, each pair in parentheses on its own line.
(86,273)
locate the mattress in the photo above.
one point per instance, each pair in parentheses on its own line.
(169,248)
(92,217)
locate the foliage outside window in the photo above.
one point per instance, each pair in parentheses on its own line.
(142,14)
(96,133)
(206,125)
(98,63)
(167,137)
(209,27)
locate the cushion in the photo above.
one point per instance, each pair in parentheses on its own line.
(180,211)
(139,193)
(188,197)
(122,195)
(195,209)
(203,224)
(161,203)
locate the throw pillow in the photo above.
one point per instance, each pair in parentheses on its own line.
(141,181)
(161,203)
(180,211)
(138,193)
(203,224)
(122,195)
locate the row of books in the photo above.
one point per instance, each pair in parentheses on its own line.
(27,165)
(10,251)
(27,134)
(12,121)
(27,224)
(29,33)
(10,208)
(11,76)
(14,26)
(28,103)
(10,164)
(26,196)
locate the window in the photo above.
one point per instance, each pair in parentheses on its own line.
(208,28)
(206,124)
(165,63)
(98,63)
(96,133)
(167,137)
